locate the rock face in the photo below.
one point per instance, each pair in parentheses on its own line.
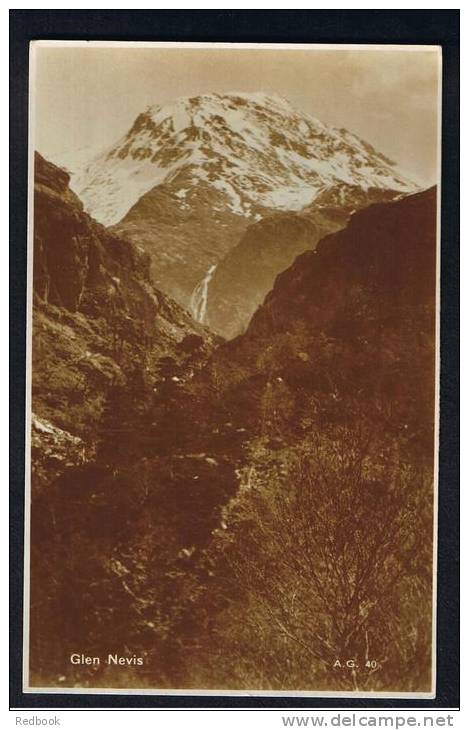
(98,320)
(188,178)
(78,265)
(248,271)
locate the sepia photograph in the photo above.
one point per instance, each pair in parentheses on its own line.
(233,361)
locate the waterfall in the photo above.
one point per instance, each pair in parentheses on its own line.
(200,295)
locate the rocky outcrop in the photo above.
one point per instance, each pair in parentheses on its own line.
(78,264)
(53,450)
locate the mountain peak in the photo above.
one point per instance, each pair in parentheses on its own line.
(188,111)
(261,98)
(254,147)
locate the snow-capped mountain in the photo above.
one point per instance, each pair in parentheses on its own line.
(255,148)
(188,179)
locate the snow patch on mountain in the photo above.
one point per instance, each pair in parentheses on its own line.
(235,199)
(294,198)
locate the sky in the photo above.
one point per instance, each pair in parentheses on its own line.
(87,96)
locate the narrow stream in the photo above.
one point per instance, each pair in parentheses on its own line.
(200,296)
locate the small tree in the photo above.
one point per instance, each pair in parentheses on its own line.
(329,550)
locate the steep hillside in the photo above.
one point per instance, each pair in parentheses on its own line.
(98,320)
(352,314)
(336,371)
(385,257)
(185,232)
(247,273)
(188,178)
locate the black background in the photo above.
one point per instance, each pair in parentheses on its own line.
(435,27)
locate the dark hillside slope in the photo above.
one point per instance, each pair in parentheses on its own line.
(354,318)
(247,273)
(98,321)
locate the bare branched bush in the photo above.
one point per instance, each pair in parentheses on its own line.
(331,550)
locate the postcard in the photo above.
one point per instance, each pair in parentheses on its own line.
(233,358)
